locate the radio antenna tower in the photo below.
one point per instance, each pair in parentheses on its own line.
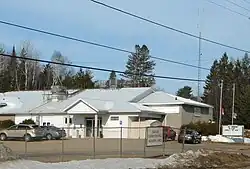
(199,56)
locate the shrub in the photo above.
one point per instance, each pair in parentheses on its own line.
(6,124)
(202,127)
(28,121)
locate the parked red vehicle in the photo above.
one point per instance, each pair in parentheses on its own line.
(168,133)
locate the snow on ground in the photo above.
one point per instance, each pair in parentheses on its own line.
(223,139)
(220,138)
(112,163)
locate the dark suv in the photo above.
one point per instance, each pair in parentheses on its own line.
(191,136)
(52,132)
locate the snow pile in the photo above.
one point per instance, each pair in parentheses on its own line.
(6,153)
(174,161)
(220,139)
(223,139)
(247,140)
(204,138)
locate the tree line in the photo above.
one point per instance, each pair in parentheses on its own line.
(231,71)
(20,74)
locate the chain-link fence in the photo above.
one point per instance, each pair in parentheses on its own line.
(106,142)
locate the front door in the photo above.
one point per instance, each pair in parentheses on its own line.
(90,126)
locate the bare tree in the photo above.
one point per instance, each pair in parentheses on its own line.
(31,68)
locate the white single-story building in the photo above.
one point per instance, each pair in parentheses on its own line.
(105,111)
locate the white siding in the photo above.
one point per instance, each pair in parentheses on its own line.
(112,129)
(21,118)
(55,120)
(166,109)
(81,108)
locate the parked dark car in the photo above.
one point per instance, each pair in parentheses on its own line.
(191,136)
(168,133)
(52,132)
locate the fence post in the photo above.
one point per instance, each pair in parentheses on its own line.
(164,144)
(183,140)
(121,143)
(94,143)
(62,155)
(145,141)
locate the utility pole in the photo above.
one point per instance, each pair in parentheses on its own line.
(199,65)
(221,89)
(233,104)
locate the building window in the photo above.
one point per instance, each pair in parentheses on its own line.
(70,120)
(65,120)
(48,123)
(188,108)
(44,124)
(114,118)
(205,110)
(197,110)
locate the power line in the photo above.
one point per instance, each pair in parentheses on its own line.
(168,27)
(246,1)
(231,2)
(95,43)
(102,69)
(224,7)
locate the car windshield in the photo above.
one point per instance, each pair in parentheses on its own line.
(53,127)
(50,127)
(35,126)
(189,132)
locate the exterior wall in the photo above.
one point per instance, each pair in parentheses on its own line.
(20,118)
(7,117)
(172,115)
(52,119)
(112,128)
(189,116)
(81,108)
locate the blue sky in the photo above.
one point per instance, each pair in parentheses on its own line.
(89,21)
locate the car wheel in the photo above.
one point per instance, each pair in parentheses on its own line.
(27,137)
(3,137)
(49,137)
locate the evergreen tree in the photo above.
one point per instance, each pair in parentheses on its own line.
(139,64)
(11,77)
(21,70)
(230,72)
(46,77)
(84,79)
(185,92)
(112,80)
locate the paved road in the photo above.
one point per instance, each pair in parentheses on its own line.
(78,149)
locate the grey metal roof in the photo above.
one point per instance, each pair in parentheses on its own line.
(111,100)
(160,97)
(23,101)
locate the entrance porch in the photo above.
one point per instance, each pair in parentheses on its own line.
(86,126)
